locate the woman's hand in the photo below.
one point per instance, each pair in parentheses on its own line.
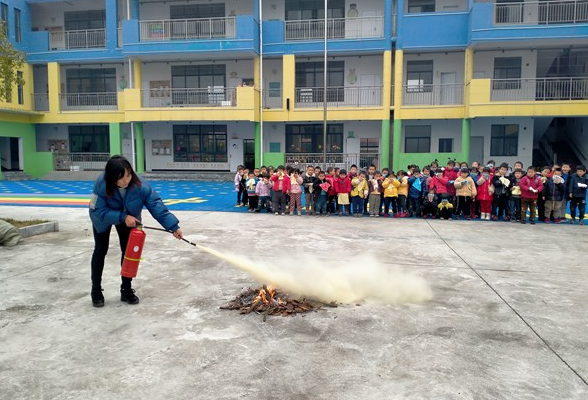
(131,221)
(178,234)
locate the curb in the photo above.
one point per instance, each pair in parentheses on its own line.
(33,230)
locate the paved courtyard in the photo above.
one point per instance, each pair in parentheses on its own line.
(508,319)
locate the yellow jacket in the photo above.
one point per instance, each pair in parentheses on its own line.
(447,205)
(403,188)
(468,190)
(391,187)
(359,187)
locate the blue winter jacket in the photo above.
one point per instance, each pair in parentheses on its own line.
(107,211)
(413,191)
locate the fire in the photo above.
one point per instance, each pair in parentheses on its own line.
(268,295)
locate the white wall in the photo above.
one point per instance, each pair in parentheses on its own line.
(160,10)
(445,5)
(484,62)
(355,66)
(450,62)
(50,15)
(482,127)
(440,129)
(275,9)
(47,132)
(236,132)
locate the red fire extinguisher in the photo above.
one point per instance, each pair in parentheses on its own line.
(130,264)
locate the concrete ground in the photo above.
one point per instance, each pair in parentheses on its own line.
(508,318)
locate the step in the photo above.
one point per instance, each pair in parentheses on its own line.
(17,176)
(213,176)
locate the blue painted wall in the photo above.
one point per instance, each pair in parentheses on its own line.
(435,30)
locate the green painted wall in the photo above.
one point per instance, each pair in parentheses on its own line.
(35,163)
(465,139)
(115,138)
(140,143)
(397,139)
(274,159)
(422,159)
(258,144)
(385,162)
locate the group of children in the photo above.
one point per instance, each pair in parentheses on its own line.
(451,192)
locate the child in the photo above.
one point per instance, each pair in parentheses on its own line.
(451,173)
(390,186)
(531,186)
(430,205)
(243,187)
(438,184)
(402,194)
(416,191)
(553,195)
(515,195)
(343,187)
(281,187)
(445,209)
(321,190)
(375,189)
(295,191)
(359,191)
(262,190)
(484,193)
(545,172)
(309,179)
(238,188)
(331,194)
(577,185)
(565,169)
(251,185)
(352,171)
(501,193)
(466,193)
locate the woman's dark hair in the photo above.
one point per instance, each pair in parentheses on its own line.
(114,170)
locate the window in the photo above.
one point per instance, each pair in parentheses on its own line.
(507,73)
(17,27)
(4,16)
(20,89)
(311,75)
(421,6)
(89,139)
(369,145)
(297,10)
(419,76)
(208,82)
(195,11)
(84,20)
(308,138)
(505,140)
(200,143)
(87,80)
(445,145)
(417,139)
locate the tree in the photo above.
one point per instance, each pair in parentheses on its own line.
(11,61)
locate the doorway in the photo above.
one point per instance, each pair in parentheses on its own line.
(477,149)
(10,154)
(249,154)
(448,88)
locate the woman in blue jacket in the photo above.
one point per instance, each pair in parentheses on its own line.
(117,199)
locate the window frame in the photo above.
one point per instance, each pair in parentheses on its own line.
(441,148)
(99,136)
(4,17)
(423,6)
(311,138)
(498,133)
(423,71)
(421,136)
(17,25)
(84,20)
(203,143)
(512,73)
(20,88)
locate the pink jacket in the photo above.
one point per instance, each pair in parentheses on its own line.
(526,183)
(295,184)
(438,185)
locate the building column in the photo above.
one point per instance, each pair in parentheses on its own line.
(114,131)
(111,24)
(54,79)
(258,145)
(468,76)
(139,147)
(385,160)
(397,140)
(137,74)
(466,125)
(134,9)
(289,79)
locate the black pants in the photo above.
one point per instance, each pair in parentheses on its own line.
(279,202)
(414,206)
(500,206)
(464,206)
(101,241)
(581,204)
(253,202)
(445,213)
(390,201)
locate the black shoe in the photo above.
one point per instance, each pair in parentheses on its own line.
(532,222)
(128,295)
(97,297)
(523,222)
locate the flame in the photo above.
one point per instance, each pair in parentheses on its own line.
(267,295)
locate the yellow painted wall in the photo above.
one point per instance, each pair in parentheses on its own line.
(433,112)
(27,106)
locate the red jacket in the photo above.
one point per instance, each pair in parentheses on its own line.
(285,183)
(451,175)
(438,185)
(342,185)
(331,180)
(526,183)
(483,189)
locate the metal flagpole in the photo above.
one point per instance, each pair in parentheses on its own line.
(261,82)
(325,95)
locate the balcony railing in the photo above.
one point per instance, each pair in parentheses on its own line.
(429,95)
(89,101)
(539,89)
(543,12)
(182,29)
(41,101)
(79,161)
(337,160)
(213,96)
(272,98)
(86,39)
(361,96)
(337,28)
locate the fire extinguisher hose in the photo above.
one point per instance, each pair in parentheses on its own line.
(165,230)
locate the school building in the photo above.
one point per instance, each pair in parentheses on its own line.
(206,85)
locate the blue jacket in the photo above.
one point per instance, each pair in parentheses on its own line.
(105,211)
(574,189)
(413,191)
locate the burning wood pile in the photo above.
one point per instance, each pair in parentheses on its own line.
(269,301)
